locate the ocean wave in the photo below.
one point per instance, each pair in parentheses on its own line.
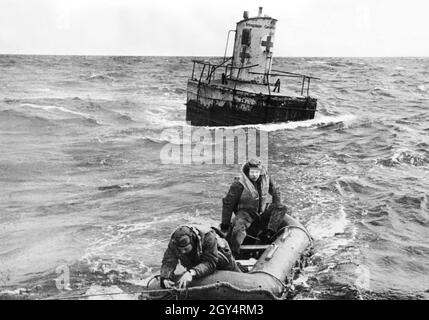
(172,136)
(55,108)
(13,117)
(119,74)
(392,294)
(417,250)
(116,187)
(113,292)
(336,64)
(179,90)
(100,77)
(404,156)
(109,75)
(332,232)
(67,83)
(101,161)
(317,62)
(7,62)
(324,227)
(58,114)
(354,185)
(158,141)
(10,100)
(415,202)
(379,211)
(382,92)
(125,117)
(132,131)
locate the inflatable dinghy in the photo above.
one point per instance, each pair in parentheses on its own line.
(267,271)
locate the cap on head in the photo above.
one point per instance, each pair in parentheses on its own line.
(182,237)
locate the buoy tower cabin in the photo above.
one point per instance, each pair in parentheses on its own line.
(244,89)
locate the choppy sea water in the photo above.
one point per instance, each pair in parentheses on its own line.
(83,185)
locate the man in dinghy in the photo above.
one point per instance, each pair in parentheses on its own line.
(200,250)
(248,199)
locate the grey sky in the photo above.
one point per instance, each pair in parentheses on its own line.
(199,27)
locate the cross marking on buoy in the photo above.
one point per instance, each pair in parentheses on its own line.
(267,44)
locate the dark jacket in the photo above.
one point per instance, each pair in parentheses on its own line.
(203,258)
(232,200)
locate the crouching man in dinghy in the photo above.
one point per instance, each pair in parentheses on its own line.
(248,199)
(200,250)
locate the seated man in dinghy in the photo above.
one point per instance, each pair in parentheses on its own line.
(200,250)
(248,199)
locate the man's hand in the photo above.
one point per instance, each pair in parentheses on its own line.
(184,280)
(167,284)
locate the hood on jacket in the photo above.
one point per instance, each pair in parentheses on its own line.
(245,174)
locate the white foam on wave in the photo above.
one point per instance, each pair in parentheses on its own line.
(404,155)
(113,235)
(55,108)
(319,120)
(97,292)
(162,122)
(100,76)
(330,230)
(15,292)
(321,226)
(173,132)
(317,62)
(316,122)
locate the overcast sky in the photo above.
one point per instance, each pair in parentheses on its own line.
(199,27)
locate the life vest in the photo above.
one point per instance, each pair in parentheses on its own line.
(249,200)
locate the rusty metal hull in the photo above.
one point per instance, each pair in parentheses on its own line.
(264,282)
(222,105)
